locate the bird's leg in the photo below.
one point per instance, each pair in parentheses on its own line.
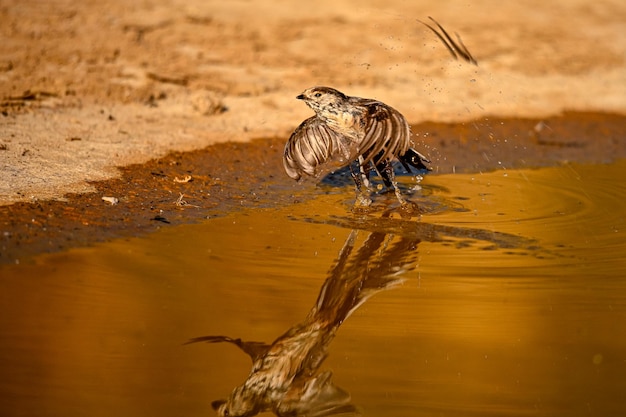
(365,173)
(390,178)
(407,208)
(361,180)
(356,177)
(381,169)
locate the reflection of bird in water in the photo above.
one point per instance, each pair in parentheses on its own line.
(285,376)
(346,129)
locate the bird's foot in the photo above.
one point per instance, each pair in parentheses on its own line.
(363,201)
(408,209)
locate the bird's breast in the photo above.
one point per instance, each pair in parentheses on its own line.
(346,124)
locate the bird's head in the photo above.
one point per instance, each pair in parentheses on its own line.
(322,98)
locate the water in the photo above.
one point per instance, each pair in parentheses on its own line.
(507,297)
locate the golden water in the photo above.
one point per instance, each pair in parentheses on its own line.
(513,302)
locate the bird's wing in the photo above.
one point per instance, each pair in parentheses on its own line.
(254,349)
(309,146)
(387,133)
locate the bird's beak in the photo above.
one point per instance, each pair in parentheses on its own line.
(300,97)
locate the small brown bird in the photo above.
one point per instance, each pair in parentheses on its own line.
(347,130)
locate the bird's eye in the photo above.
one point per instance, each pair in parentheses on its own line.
(318,94)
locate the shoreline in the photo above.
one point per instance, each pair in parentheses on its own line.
(187,187)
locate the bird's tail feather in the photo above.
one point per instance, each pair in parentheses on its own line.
(415,159)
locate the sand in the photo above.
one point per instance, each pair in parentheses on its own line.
(88,87)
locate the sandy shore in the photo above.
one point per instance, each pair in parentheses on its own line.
(87,87)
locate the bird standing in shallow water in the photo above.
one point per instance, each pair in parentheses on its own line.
(351,129)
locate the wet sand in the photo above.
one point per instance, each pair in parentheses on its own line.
(118,101)
(190,186)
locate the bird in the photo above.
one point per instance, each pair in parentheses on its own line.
(355,132)
(358,132)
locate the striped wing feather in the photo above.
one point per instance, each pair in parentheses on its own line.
(312,144)
(387,133)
